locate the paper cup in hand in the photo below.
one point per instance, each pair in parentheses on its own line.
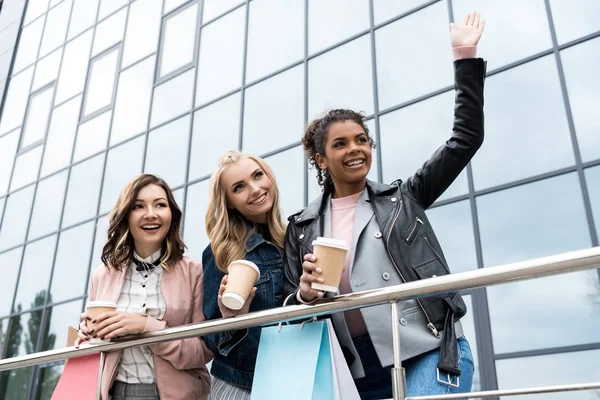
(242,275)
(331,258)
(94,309)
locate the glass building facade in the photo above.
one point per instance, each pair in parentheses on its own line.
(95,92)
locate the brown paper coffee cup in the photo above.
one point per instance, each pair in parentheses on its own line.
(242,275)
(94,309)
(331,258)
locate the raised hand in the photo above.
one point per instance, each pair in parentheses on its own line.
(228,312)
(468,32)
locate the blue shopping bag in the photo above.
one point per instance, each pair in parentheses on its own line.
(294,361)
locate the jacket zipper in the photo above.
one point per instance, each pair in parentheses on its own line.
(413,229)
(437,255)
(430,325)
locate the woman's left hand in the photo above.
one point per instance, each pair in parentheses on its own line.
(111,324)
(468,32)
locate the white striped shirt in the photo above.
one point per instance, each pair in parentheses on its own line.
(140,294)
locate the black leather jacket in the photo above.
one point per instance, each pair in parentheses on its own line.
(410,241)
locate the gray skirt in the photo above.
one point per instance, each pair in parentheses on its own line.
(222,390)
(134,391)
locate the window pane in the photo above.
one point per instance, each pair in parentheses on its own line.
(56,27)
(468,324)
(179,40)
(268,52)
(574,19)
(48,205)
(274,112)
(173,98)
(167,151)
(350,16)
(74,67)
(214,8)
(8,37)
(132,103)
(29,44)
(101,83)
(8,149)
(99,241)
(221,56)
(12,12)
(16,101)
(61,134)
(216,130)
(581,65)
(523,105)
(47,69)
(34,10)
(529,16)
(83,16)
(341,78)
(519,224)
(59,319)
(5,61)
(84,188)
(178,195)
(454,229)
(27,166)
(47,379)
(109,6)
(109,32)
(399,79)
(170,5)
(527,372)
(71,266)
(37,117)
(9,265)
(3,329)
(288,168)
(387,9)
(143,29)
(92,136)
(194,232)
(592,176)
(123,164)
(35,273)
(429,123)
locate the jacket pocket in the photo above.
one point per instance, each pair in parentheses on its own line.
(430,269)
(413,230)
(436,254)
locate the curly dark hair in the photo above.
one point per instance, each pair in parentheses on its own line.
(315,138)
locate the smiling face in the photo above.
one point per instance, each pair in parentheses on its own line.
(149,219)
(248,189)
(348,156)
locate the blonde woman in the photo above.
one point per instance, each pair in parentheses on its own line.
(243,221)
(154,286)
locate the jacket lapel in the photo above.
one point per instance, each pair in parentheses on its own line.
(362,216)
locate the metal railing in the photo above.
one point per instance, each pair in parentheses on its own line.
(558,264)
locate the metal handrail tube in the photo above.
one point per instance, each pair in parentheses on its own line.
(540,267)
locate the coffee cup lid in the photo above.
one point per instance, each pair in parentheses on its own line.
(101,303)
(232,300)
(330,242)
(248,263)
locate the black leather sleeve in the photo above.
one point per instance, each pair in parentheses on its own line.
(292,266)
(447,162)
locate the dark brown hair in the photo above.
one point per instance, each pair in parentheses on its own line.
(315,138)
(118,250)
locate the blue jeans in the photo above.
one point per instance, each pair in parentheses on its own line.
(421,372)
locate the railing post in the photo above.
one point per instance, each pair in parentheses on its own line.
(100,368)
(398,376)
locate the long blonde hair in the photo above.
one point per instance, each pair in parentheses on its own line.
(227,228)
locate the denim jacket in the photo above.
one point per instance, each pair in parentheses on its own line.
(235,352)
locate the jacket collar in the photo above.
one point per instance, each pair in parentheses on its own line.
(254,240)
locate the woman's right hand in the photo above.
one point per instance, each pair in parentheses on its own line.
(82,334)
(228,312)
(310,274)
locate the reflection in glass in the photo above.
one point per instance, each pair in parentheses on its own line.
(581,65)
(56,27)
(429,63)
(12,12)
(27,166)
(453,227)
(288,168)
(16,216)
(35,273)
(123,164)
(109,32)
(194,233)
(412,134)
(60,318)
(214,8)
(216,130)
(82,194)
(83,16)
(132,103)
(529,16)
(109,6)
(592,177)
(10,262)
(92,136)
(274,112)
(387,9)
(37,117)
(179,39)
(268,52)
(29,44)
(34,10)
(47,380)
(8,149)
(47,69)
(16,101)
(8,36)
(143,29)
(48,204)
(74,67)
(221,56)
(167,150)
(350,16)
(71,265)
(99,241)
(524,111)
(551,370)
(468,324)
(101,82)
(173,98)
(574,19)
(61,135)
(341,78)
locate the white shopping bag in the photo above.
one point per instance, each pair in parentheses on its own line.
(343,383)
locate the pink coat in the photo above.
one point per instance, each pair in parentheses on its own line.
(179,365)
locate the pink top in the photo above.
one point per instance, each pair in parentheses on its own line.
(179,365)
